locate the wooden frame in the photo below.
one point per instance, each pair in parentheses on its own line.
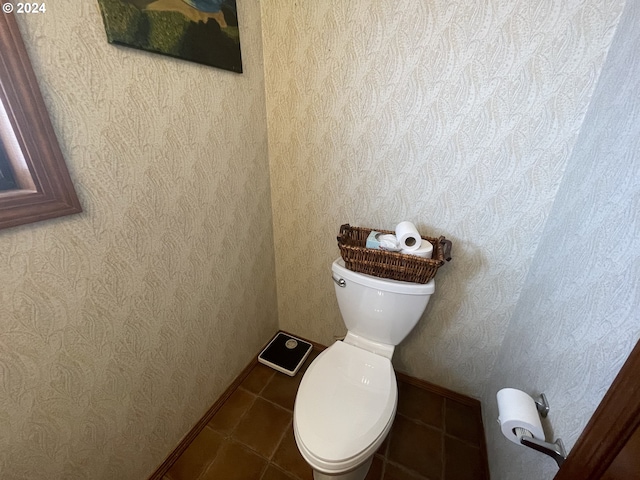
(44,188)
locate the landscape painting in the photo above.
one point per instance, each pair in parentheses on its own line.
(202,31)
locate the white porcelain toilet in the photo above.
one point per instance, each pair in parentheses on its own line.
(347,399)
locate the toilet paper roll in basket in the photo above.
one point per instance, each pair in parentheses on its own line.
(517,409)
(425,250)
(408,236)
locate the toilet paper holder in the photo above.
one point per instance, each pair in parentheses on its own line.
(556,449)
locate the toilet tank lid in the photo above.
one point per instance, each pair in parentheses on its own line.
(386,284)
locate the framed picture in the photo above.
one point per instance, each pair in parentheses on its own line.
(202,31)
(34,181)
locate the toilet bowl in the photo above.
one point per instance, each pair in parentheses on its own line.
(347,398)
(344,410)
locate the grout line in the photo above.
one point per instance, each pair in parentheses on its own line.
(384,466)
(273,374)
(408,470)
(244,414)
(287,473)
(281,439)
(264,470)
(204,471)
(462,440)
(420,422)
(443,454)
(276,404)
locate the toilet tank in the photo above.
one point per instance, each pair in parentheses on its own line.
(379,309)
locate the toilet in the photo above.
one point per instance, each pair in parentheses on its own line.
(348,396)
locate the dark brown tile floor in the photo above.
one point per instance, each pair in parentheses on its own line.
(251,437)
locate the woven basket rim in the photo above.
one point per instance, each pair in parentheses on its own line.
(386,264)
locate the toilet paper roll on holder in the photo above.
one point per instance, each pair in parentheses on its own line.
(556,449)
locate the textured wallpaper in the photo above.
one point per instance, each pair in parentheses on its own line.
(119,327)
(578,317)
(459,116)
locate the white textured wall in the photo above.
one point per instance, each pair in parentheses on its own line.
(457,115)
(578,317)
(119,327)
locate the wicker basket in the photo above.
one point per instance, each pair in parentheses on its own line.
(394,265)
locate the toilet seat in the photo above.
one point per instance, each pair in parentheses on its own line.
(344,408)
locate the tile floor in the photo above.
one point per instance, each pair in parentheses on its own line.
(251,437)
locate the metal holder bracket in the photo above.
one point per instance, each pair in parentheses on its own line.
(542,405)
(555,450)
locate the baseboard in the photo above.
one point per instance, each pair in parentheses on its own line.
(162,470)
(443,392)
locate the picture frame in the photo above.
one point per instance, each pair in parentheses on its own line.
(42,186)
(201,31)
